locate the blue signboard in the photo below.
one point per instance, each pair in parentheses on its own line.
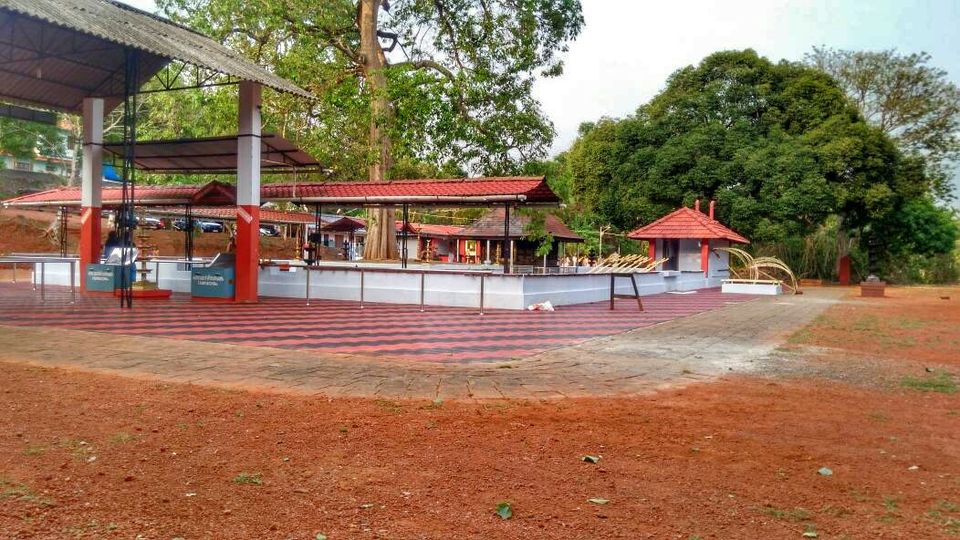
(106,277)
(212,282)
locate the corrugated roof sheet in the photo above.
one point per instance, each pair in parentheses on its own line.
(686,223)
(491,226)
(143,196)
(215,155)
(524,189)
(59,51)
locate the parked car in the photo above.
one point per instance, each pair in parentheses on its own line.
(180,224)
(269,230)
(210,226)
(150,223)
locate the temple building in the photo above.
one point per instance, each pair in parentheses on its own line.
(687,238)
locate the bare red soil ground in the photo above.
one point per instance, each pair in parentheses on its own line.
(92,456)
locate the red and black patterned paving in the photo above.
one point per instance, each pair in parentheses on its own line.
(438,334)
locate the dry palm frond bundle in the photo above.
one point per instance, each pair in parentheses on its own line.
(616,263)
(761,268)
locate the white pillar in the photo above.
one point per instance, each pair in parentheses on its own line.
(248,145)
(91,175)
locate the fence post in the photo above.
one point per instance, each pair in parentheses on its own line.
(361,288)
(73,285)
(612,291)
(423,277)
(482,276)
(307,270)
(43,279)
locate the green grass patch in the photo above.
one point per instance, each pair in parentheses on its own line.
(122,438)
(786,514)
(253,479)
(389,406)
(34,450)
(908,323)
(942,383)
(10,489)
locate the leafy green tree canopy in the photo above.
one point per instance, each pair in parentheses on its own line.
(902,94)
(23,139)
(458,75)
(778,146)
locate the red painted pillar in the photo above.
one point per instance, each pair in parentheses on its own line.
(652,249)
(91,178)
(248,194)
(705,257)
(843,270)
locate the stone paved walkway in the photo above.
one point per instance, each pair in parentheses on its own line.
(689,349)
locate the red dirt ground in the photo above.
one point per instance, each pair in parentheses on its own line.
(91,456)
(21,231)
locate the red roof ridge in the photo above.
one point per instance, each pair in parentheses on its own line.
(686,223)
(464,179)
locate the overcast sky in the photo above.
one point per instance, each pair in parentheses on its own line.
(628,48)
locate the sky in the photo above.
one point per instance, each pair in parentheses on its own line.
(628,48)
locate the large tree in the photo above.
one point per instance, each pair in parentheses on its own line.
(442,82)
(24,139)
(777,145)
(906,97)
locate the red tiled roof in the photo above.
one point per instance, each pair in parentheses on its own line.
(686,223)
(491,226)
(229,213)
(346,224)
(430,229)
(528,189)
(450,192)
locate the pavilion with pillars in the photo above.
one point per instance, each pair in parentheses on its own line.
(687,239)
(89,57)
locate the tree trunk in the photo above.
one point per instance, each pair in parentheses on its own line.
(381,242)
(77,135)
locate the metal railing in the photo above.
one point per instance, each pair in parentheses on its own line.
(362,271)
(42,261)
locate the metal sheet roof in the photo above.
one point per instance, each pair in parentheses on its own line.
(144,196)
(686,223)
(215,155)
(56,52)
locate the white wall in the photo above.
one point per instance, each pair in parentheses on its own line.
(442,288)
(689,255)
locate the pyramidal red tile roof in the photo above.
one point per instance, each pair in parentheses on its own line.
(686,223)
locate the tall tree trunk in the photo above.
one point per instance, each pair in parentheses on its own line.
(381,242)
(77,135)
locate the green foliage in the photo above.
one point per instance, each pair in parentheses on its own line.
(23,139)
(910,100)
(777,145)
(536,231)
(923,228)
(253,479)
(942,383)
(459,80)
